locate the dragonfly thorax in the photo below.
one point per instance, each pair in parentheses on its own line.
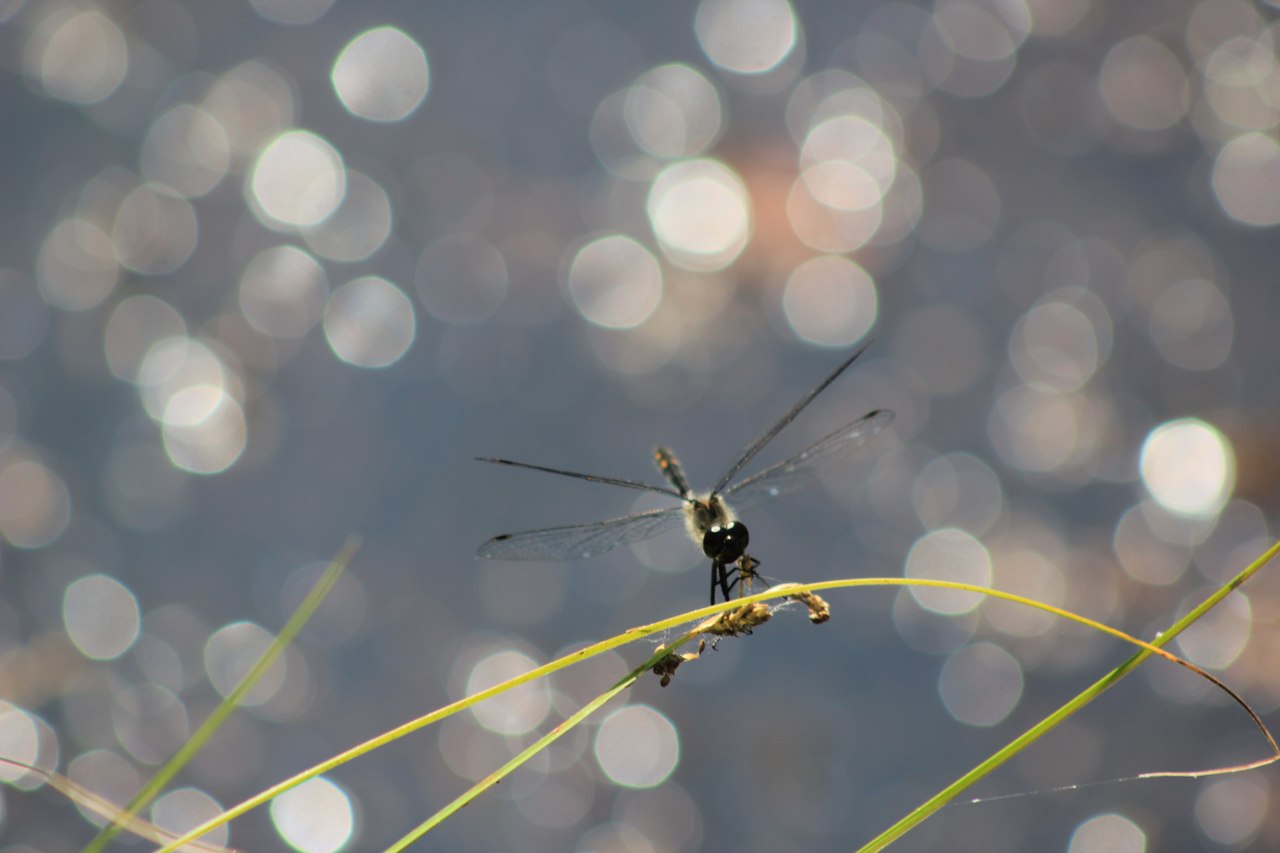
(703,513)
(711,524)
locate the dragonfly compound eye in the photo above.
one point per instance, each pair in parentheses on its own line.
(726,544)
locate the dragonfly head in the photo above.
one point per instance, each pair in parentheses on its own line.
(726,544)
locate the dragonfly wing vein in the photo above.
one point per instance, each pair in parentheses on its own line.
(801,471)
(581,540)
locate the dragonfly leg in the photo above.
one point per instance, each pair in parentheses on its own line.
(734,579)
(720,580)
(743,574)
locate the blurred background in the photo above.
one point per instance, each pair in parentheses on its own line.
(272,272)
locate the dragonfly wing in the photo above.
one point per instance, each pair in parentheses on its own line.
(581,540)
(801,471)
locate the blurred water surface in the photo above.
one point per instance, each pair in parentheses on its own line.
(275,271)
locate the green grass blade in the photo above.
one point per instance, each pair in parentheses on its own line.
(1093,691)
(534,748)
(215,720)
(634,634)
(629,636)
(502,772)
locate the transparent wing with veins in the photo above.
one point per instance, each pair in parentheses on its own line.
(801,471)
(798,472)
(582,540)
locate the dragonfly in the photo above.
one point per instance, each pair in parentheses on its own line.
(707,516)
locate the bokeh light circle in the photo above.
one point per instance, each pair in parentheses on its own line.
(515,711)
(381,75)
(830,300)
(957,490)
(186,149)
(77,54)
(849,140)
(232,651)
(1055,347)
(186,387)
(283,291)
(1110,832)
(253,103)
(292,13)
(637,747)
(107,774)
(1219,637)
(673,111)
(1231,811)
(1193,324)
(948,554)
(370,322)
(1246,179)
(359,227)
(980,684)
(101,616)
(35,505)
(297,180)
(615,282)
(746,36)
(317,816)
(155,230)
(700,213)
(20,741)
(76,268)
(1144,84)
(1188,467)
(183,809)
(173,364)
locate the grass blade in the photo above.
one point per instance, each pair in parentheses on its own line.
(215,720)
(1093,691)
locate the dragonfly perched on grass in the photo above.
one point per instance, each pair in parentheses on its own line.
(707,516)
